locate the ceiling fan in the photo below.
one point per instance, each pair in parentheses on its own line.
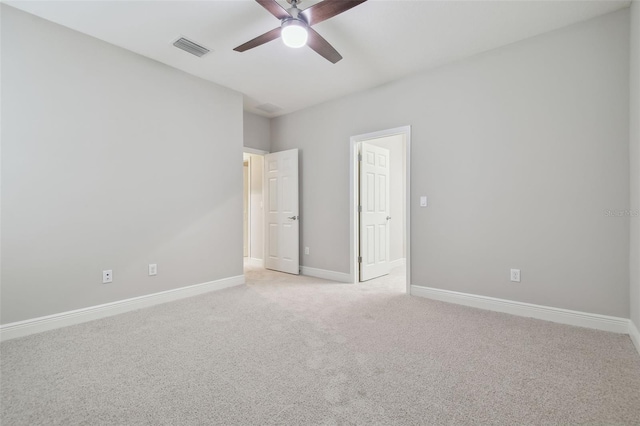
(295,27)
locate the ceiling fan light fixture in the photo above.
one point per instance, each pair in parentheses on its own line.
(294,33)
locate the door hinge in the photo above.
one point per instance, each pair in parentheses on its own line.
(359,259)
(359,157)
(359,209)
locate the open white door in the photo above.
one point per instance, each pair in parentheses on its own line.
(282,220)
(374,211)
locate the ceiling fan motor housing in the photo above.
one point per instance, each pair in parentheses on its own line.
(295,14)
(294,21)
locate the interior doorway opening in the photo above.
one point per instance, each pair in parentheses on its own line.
(380,229)
(253,207)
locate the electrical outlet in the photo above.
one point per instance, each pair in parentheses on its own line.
(153,269)
(107,276)
(515,275)
(306,250)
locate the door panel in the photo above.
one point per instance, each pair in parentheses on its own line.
(374,215)
(282,245)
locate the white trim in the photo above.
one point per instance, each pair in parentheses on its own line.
(396,263)
(248,183)
(326,275)
(254,151)
(78,316)
(261,154)
(635,335)
(547,313)
(353,202)
(252,261)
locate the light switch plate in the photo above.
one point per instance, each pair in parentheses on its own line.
(423,201)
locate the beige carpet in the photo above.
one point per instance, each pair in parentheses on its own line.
(297,350)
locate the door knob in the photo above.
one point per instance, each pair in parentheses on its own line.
(388,217)
(293,217)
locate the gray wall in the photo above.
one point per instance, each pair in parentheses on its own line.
(521,150)
(635,163)
(110,161)
(257,132)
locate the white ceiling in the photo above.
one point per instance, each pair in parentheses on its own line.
(380,40)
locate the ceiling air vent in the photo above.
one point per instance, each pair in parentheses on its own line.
(269,108)
(191,47)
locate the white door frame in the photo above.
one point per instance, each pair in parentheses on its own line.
(248,200)
(353,197)
(254,151)
(261,153)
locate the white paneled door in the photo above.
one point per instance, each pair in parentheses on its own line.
(282,233)
(374,211)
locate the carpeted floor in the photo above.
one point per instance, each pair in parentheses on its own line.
(297,350)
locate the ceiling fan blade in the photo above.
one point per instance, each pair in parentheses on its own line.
(322,46)
(260,40)
(274,8)
(328,9)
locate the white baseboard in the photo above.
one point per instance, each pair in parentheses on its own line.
(635,335)
(63,319)
(252,261)
(547,313)
(397,262)
(326,275)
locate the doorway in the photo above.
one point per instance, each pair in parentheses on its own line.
(253,207)
(392,233)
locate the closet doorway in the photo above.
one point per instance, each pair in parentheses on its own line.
(253,207)
(380,204)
